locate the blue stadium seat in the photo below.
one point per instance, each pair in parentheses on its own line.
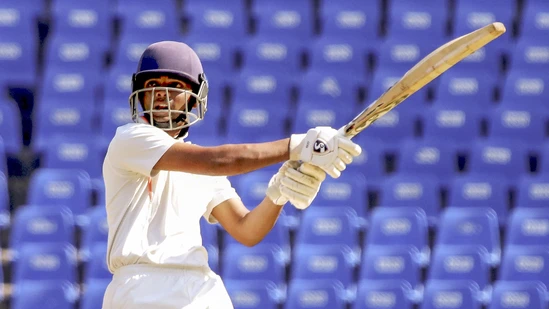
(249,122)
(137,21)
(519,125)
(351,19)
(279,235)
(128,50)
(339,57)
(480,191)
(402,190)
(11,127)
(164,5)
(17,19)
(498,158)
(18,60)
(118,84)
(460,263)
(260,88)
(391,263)
(314,113)
(96,232)
(310,294)
(211,243)
(43,294)
(530,54)
(323,262)
(533,23)
(520,295)
(92,297)
(224,20)
(56,117)
(5,212)
(263,261)
(112,114)
(371,162)
(328,225)
(293,20)
(533,192)
(525,263)
(471,226)
(389,294)
(74,53)
(399,226)
(253,294)
(418,19)
(318,85)
(401,54)
(36,223)
(453,125)
(96,268)
(44,261)
(35,7)
(61,187)
(426,157)
(527,227)
(349,190)
(76,152)
(467,88)
(525,88)
(67,84)
(451,294)
(470,16)
(272,55)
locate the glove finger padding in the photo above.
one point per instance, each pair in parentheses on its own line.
(313,170)
(352,148)
(303,178)
(345,156)
(298,188)
(300,201)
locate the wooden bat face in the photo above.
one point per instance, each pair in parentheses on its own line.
(426,70)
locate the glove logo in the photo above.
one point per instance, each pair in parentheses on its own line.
(320,146)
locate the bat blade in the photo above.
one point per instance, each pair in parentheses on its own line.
(425,71)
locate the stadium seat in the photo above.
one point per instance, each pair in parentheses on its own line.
(525,263)
(525,88)
(328,225)
(371,162)
(272,55)
(253,294)
(533,23)
(451,294)
(533,192)
(453,125)
(349,190)
(67,84)
(61,187)
(399,226)
(74,53)
(498,158)
(389,294)
(75,151)
(96,268)
(323,262)
(56,117)
(112,115)
(18,60)
(351,19)
(92,297)
(418,19)
(427,158)
(18,19)
(260,89)
(518,125)
(305,294)
(293,20)
(318,85)
(39,224)
(224,20)
(530,54)
(471,226)
(404,190)
(136,20)
(522,295)
(96,232)
(480,191)
(35,7)
(263,261)
(467,88)
(43,294)
(11,127)
(279,235)
(527,227)
(250,122)
(391,263)
(460,263)
(315,113)
(401,54)
(43,262)
(5,212)
(128,50)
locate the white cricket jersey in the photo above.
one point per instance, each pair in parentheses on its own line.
(156,222)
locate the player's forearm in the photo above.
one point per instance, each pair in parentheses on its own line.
(256,224)
(225,160)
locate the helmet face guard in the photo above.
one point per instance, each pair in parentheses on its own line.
(178,109)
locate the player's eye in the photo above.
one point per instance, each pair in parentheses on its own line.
(176,85)
(151,84)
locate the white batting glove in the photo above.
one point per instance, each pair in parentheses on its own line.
(325,148)
(295,183)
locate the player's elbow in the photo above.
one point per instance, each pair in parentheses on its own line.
(250,242)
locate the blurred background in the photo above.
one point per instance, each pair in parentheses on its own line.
(448,207)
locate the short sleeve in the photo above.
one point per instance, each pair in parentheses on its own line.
(223,191)
(138,147)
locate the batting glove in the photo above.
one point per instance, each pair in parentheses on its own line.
(325,148)
(295,183)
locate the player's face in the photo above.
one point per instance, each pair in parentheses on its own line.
(163,99)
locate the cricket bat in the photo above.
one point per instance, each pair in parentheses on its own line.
(426,70)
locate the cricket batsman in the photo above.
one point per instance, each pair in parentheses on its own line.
(158,187)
